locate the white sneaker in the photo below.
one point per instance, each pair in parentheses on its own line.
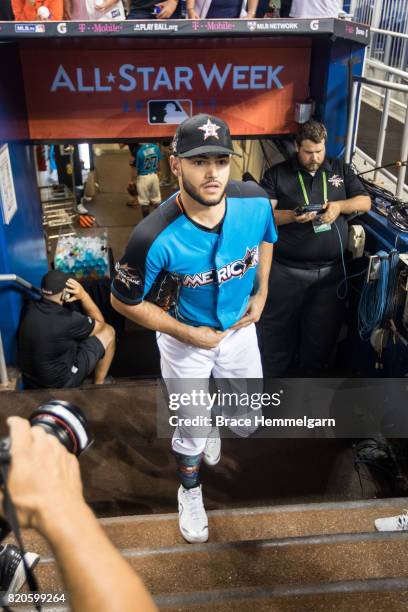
(212,451)
(393,523)
(82,210)
(193,520)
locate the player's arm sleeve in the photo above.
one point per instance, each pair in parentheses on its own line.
(136,272)
(18,9)
(81,326)
(56,9)
(269,183)
(353,186)
(271,232)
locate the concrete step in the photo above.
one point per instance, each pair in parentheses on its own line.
(264,563)
(383,595)
(161,530)
(386,595)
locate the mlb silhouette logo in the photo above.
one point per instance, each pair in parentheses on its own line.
(168,112)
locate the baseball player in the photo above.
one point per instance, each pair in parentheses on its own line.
(146,167)
(196,271)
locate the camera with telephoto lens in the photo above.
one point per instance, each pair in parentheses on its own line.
(61,419)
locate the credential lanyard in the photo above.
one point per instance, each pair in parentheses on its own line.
(303,187)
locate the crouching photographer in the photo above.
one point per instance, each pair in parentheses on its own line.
(42,487)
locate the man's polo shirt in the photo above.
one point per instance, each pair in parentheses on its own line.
(199,276)
(48,341)
(299,246)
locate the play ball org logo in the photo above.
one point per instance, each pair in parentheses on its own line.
(62,28)
(314,24)
(251,25)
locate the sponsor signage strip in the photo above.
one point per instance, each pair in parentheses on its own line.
(186,28)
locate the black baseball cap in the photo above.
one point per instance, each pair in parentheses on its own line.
(54,282)
(202,135)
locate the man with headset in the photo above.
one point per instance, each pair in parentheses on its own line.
(311,196)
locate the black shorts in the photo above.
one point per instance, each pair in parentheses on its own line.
(90,351)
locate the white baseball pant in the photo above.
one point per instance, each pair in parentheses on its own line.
(235,359)
(148,189)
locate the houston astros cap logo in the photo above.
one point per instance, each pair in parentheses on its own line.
(202,134)
(210,129)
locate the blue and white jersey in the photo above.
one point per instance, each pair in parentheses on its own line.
(147,159)
(198,276)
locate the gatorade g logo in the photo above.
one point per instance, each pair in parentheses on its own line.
(314,24)
(62,28)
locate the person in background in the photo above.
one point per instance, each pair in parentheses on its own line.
(12,571)
(59,347)
(45,486)
(6,12)
(146,168)
(393,523)
(151,9)
(38,10)
(308,9)
(221,9)
(303,316)
(167,177)
(94,10)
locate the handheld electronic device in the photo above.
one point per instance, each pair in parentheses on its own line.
(302,210)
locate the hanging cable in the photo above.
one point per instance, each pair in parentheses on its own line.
(378,301)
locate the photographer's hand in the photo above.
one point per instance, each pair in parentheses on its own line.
(45,486)
(43,476)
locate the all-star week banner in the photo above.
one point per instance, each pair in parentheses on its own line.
(142,93)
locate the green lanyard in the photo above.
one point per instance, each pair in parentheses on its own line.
(303,188)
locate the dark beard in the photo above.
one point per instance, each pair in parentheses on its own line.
(192,192)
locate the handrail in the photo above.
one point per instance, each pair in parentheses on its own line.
(366,158)
(379,83)
(358,81)
(389,33)
(381,66)
(20,281)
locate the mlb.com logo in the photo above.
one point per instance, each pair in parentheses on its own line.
(29,28)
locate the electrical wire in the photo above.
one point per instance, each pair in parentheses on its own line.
(344,281)
(386,204)
(398,217)
(378,301)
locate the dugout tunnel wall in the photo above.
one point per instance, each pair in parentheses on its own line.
(100,82)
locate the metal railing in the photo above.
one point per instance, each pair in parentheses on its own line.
(388,21)
(386,73)
(353,126)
